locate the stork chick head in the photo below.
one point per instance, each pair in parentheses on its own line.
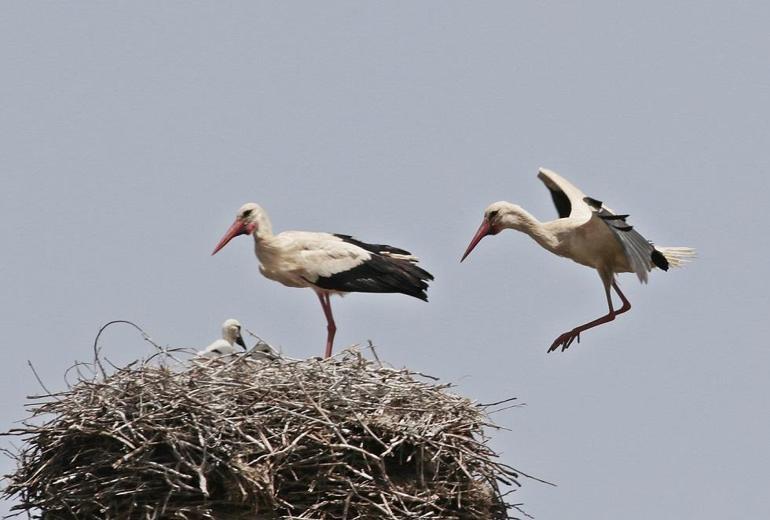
(497,216)
(263,351)
(231,332)
(247,220)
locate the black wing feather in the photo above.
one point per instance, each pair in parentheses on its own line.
(380,274)
(595,204)
(659,260)
(561,201)
(641,253)
(373,248)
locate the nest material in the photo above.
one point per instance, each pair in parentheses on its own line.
(344,438)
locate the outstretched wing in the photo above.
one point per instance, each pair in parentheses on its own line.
(641,254)
(569,201)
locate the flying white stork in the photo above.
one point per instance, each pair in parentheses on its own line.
(589,233)
(327,263)
(225,346)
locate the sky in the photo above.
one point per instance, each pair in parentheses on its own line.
(131,132)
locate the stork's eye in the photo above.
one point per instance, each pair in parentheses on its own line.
(247,213)
(492,214)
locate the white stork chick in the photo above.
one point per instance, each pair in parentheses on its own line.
(231,336)
(589,233)
(263,352)
(327,263)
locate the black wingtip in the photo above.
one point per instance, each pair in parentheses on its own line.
(420,294)
(659,260)
(596,204)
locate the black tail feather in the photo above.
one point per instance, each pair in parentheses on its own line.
(659,260)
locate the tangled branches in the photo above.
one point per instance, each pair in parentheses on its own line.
(344,438)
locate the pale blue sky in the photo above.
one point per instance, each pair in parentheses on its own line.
(131,132)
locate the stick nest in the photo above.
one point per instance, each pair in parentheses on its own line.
(343,438)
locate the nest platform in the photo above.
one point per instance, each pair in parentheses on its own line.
(343,438)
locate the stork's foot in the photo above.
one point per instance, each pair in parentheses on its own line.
(565,340)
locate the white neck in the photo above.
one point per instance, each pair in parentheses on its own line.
(521,220)
(264,230)
(229,336)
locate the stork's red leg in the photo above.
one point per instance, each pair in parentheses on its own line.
(566,339)
(331,327)
(626,304)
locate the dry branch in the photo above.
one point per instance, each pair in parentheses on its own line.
(344,438)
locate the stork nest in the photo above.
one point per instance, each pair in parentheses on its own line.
(343,438)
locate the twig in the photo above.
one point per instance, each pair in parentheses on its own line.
(40,381)
(347,437)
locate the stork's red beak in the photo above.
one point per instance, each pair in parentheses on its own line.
(238,228)
(484,229)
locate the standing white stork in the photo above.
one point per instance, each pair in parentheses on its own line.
(327,263)
(589,233)
(231,336)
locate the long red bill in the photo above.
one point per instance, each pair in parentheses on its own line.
(238,228)
(484,230)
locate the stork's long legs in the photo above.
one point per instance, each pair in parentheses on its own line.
(331,327)
(626,304)
(566,339)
